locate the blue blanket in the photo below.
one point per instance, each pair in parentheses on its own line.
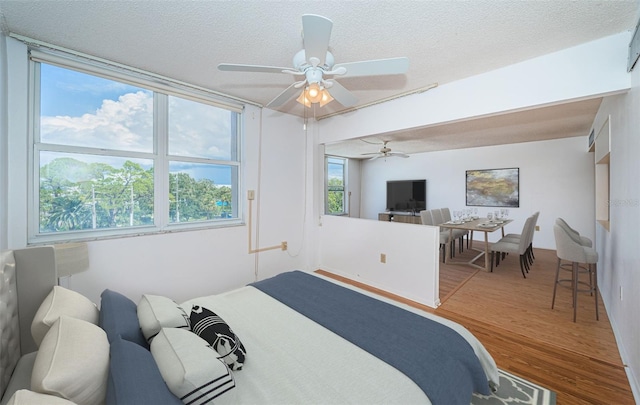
(435,357)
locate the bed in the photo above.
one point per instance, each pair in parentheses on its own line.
(291,339)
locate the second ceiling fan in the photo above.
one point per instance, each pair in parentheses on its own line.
(386,152)
(316,68)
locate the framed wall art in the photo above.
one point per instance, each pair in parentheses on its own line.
(493,187)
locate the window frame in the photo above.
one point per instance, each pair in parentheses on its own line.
(345,198)
(161,90)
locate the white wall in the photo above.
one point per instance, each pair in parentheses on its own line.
(619,256)
(351,247)
(556,178)
(17,145)
(594,68)
(4,135)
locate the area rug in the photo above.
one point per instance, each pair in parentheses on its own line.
(515,390)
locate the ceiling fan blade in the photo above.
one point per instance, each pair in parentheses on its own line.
(391,66)
(376,157)
(316,34)
(342,95)
(284,96)
(231,67)
(398,154)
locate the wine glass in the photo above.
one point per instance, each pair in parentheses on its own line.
(490,216)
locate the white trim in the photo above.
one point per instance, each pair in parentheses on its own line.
(633,381)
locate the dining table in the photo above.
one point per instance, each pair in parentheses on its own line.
(484,225)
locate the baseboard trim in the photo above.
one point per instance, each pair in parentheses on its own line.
(631,376)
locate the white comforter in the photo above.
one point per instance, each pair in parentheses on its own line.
(293,360)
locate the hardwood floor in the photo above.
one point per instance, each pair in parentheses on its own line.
(512,317)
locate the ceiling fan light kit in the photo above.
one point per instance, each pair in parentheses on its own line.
(314,94)
(314,62)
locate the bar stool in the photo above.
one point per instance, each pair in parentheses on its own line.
(568,249)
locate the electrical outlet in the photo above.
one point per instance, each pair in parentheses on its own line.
(383,258)
(251,195)
(284,245)
(537,227)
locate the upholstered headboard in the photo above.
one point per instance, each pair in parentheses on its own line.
(26,277)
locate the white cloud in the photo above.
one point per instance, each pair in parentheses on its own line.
(123,124)
(127,124)
(197,129)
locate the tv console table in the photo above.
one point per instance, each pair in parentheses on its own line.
(407,218)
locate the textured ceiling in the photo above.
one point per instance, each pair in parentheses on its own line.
(444,40)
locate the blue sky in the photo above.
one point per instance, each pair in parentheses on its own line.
(335,170)
(85,110)
(67,92)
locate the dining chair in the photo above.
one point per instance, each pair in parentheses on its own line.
(515,237)
(427,219)
(570,250)
(458,234)
(438,219)
(436,214)
(520,247)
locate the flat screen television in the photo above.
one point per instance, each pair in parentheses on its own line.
(406,195)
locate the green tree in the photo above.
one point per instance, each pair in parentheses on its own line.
(197,200)
(335,196)
(75,195)
(119,192)
(62,203)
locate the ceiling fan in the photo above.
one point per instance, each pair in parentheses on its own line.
(386,152)
(314,65)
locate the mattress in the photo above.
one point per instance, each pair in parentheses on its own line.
(292,359)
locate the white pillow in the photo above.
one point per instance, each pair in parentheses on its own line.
(73,362)
(191,368)
(26,397)
(62,301)
(156,312)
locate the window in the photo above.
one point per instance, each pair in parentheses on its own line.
(336,175)
(117,155)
